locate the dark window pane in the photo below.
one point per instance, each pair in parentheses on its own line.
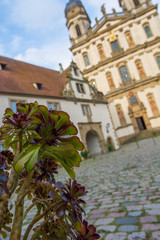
(50,106)
(148,31)
(158,61)
(78,31)
(133,100)
(115,45)
(86,60)
(124,74)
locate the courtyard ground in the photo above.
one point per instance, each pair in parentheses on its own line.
(123,199)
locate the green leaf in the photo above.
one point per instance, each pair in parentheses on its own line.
(32,161)
(74,160)
(68,169)
(78,145)
(22,161)
(34,109)
(44,111)
(64,119)
(70,130)
(8,141)
(54,118)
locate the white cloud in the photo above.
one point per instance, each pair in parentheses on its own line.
(15,43)
(47,56)
(36,14)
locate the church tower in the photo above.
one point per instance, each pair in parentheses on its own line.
(78,22)
(134,6)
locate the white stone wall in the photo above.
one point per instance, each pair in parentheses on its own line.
(99,111)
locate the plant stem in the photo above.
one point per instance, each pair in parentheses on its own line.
(5,197)
(37,218)
(28,209)
(18,216)
(39,228)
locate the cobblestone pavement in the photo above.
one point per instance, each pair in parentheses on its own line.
(123,199)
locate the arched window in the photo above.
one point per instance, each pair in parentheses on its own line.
(78,30)
(110,81)
(133,100)
(153,104)
(86,60)
(140,69)
(158,61)
(129,39)
(136,2)
(101,52)
(121,115)
(148,31)
(115,45)
(124,74)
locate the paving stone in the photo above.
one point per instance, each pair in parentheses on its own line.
(148,219)
(126,220)
(134,208)
(115,215)
(128,204)
(152,206)
(135,214)
(116,236)
(156,235)
(152,212)
(137,236)
(97,216)
(128,228)
(150,227)
(104,221)
(109,228)
(110,205)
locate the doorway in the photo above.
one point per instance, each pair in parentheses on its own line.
(141,123)
(93,143)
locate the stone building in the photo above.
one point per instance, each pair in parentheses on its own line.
(68,91)
(120,55)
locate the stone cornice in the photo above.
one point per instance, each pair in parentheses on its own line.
(123,90)
(94,34)
(123,54)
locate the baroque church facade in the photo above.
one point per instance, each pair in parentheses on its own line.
(120,56)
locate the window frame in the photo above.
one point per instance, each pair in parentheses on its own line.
(111,43)
(134,102)
(86,110)
(78,30)
(17,101)
(87,63)
(158,56)
(53,105)
(128,80)
(147,25)
(80,88)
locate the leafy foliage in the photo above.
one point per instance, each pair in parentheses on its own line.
(41,140)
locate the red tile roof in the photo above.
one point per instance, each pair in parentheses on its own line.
(18,77)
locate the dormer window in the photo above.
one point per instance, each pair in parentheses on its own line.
(2,66)
(80,88)
(38,86)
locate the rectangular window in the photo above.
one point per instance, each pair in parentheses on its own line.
(124,74)
(80,88)
(86,110)
(86,60)
(53,106)
(115,45)
(1,147)
(148,31)
(133,100)
(158,61)
(13,104)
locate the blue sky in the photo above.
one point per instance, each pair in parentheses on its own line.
(34,31)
